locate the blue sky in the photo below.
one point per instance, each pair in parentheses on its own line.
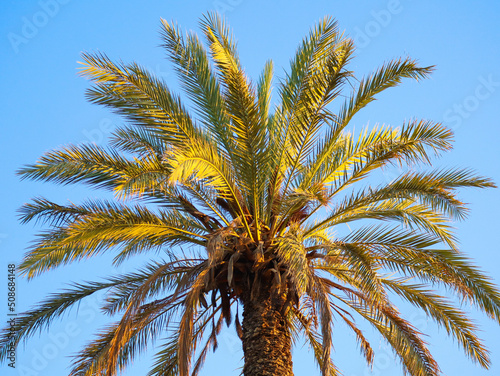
(43,107)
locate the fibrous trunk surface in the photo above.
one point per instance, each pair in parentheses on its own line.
(266,337)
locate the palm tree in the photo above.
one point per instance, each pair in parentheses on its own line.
(255,195)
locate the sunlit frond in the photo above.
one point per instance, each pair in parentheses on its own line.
(138,140)
(404,339)
(455,321)
(142,98)
(89,164)
(105,226)
(195,73)
(250,156)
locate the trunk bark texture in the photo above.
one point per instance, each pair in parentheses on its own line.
(266,337)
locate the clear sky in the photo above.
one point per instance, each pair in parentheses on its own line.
(43,107)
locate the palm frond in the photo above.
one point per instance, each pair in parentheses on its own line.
(363,343)
(142,98)
(400,334)
(201,162)
(291,251)
(303,324)
(388,75)
(454,321)
(250,154)
(89,164)
(42,315)
(108,225)
(195,73)
(139,140)
(318,291)
(316,78)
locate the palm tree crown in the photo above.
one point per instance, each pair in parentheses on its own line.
(255,194)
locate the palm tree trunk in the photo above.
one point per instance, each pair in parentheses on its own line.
(266,337)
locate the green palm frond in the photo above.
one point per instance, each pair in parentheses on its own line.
(362,205)
(195,73)
(388,75)
(400,334)
(380,147)
(414,254)
(138,140)
(95,358)
(436,189)
(47,212)
(108,225)
(302,324)
(291,251)
(315,79)
(144,99)
(56,305)
(454,320)
(250,154)
(450,269)
(201,162)
(363,343)
(89,164)
(264,93)
(119,297)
